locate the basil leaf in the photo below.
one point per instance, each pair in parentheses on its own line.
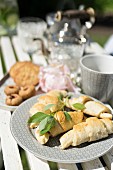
(37,118)
(60,97)
(79,106)
(46,125)
(48,106)
(43,123)
(68,117)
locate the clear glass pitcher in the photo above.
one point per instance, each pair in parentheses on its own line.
(67,38)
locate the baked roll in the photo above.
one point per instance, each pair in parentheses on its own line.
(37,107)
(46,99)
(63,124)
(82,99)
(97,109)
(57,93)
(91,130)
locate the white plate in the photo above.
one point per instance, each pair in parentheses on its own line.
(3,96)
(3,105)
(51,150)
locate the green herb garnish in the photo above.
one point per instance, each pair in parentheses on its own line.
(60,97)
(47,107)
(46,124)
(79,106)
(38,117)
(68,117)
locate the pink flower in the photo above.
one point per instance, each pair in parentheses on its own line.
(55,77)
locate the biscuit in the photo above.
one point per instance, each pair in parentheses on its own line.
(27,74)
(13,69)
(27,92)
(13,100)
(12,89)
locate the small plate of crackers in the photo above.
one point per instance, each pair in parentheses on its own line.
(20,85)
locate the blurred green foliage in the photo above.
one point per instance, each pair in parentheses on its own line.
(99,5)
(8,16)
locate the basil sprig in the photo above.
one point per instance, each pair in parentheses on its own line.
(60,97)
(38,117)
(47,107)
(79,106)
(46,122)
(68,117)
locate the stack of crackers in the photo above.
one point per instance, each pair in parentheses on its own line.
(25,73)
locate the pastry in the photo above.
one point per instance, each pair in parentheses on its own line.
(57,104)
(63,124)
(57,93)
(41,138)
(91,130)
(58,116)
(82,99)
(97,109)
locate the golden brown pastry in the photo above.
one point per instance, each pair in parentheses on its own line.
(91,130)
(109,125)
(97,109)
(63,124)
(57,93)
(38,107)
(46,99)
(82,99)
(41,138)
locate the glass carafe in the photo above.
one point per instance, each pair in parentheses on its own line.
(67,39)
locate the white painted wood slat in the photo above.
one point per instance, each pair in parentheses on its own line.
(108,158)
(1,70)
(1,159)
(66,166)
(21,55)
(39,59)
(93,165)
(33,161)
(7,51)
(10,150)
(1,76)
(36,163)
(94,47)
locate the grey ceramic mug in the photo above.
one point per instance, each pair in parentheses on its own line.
(97,76)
